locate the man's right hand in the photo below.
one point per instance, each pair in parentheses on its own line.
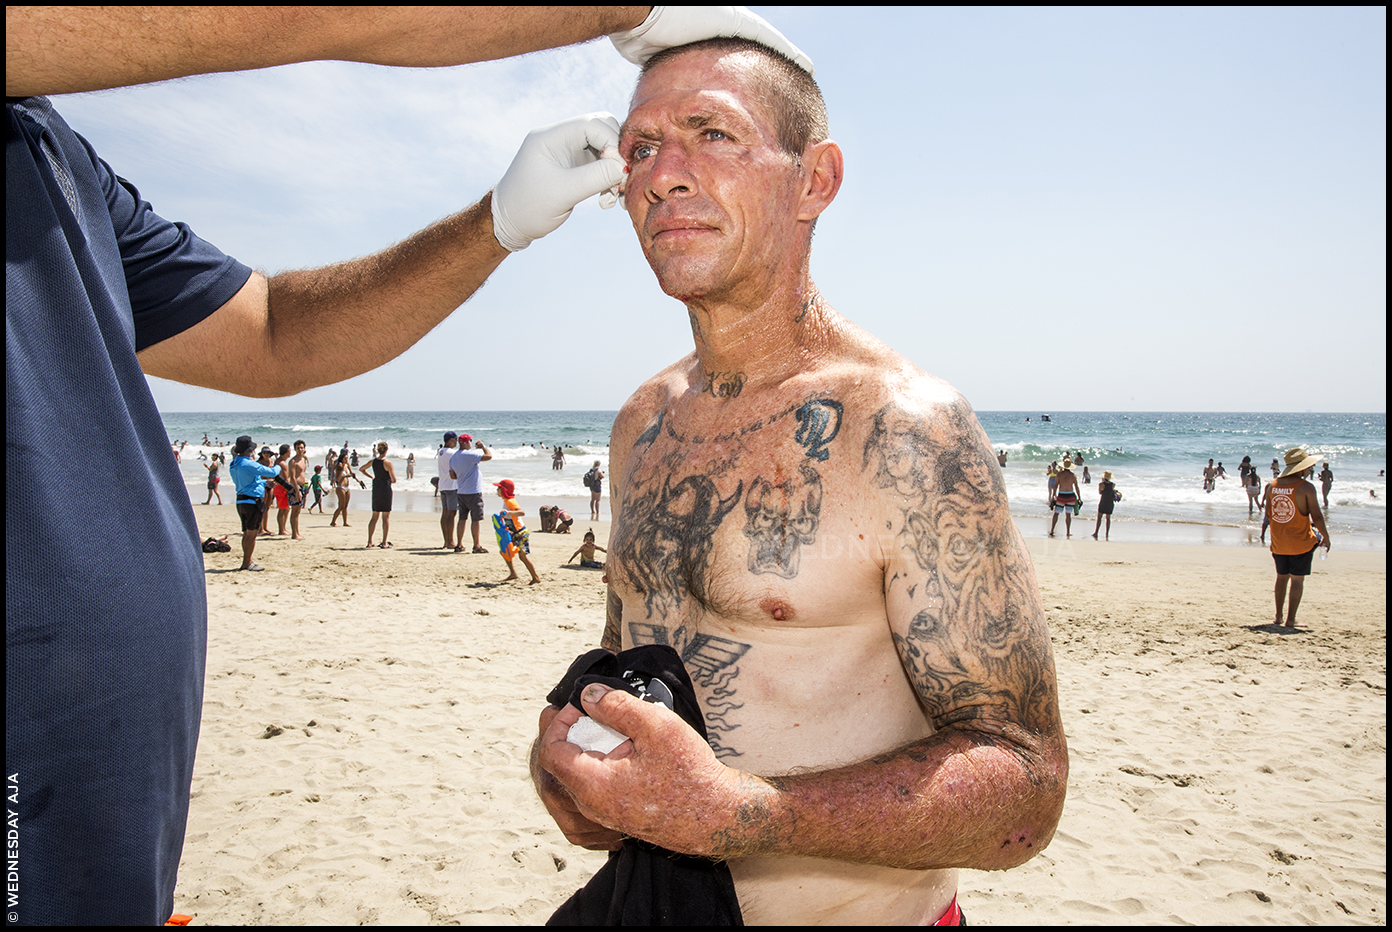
(577,829)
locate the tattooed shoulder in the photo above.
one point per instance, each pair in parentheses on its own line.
(965,609)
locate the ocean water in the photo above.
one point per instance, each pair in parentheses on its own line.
(520,442)
(1157,459)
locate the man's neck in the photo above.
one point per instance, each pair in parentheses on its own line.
(743,343)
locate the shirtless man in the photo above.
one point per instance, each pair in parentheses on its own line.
(1066,495)
(299,478)
(821,531)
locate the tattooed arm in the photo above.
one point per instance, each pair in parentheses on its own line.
(986,790)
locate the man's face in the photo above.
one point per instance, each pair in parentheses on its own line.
(712,197)
(299,449)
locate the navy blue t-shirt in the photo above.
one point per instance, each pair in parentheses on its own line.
(105,607)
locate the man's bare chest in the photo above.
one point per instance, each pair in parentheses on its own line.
(714,517)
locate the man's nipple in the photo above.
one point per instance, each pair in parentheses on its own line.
(777,609)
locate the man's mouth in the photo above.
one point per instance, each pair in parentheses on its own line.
(677,231)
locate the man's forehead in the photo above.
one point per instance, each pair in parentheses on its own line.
(718,81)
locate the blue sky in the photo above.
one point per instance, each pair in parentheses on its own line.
(1053,209)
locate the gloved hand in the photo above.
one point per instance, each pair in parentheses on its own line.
(668,26)
(557,167)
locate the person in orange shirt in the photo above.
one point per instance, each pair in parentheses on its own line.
(1292,505)
(517,543)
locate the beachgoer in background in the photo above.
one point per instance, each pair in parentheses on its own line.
(1210,477)
(316,485)
(213,481)
(283,494)
(1052,473)
(1220,472)
(1000,458)
(1295,521)
(1087,479)
(383,475)
(1107,497)
(410,466)
(468,480)
(1251,482)
(1266,515)
(594,479)
(1275,467)
(1326,478)
(1066,495)
(557,458)
(250,477)
(446,487)
(342,489)
(586,553)
(299,483)
(1078,458)
(1244,468)
(563,521)
(354,459)
(518,544)
(267,458)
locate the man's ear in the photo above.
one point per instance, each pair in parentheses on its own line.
(827,167)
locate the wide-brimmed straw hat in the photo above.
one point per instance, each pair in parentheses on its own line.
(1106,475)
(1297,460)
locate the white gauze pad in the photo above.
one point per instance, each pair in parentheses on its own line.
(611,197)
(592,736)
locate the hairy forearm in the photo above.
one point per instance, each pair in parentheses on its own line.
(377,307)
(61,50)
(958,799)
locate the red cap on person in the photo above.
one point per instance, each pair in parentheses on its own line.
(466,437)
(505,487)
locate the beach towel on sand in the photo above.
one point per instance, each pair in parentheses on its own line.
(642,883)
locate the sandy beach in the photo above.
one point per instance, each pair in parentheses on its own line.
(368,713)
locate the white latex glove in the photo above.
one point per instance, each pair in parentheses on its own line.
(557,167)
(668,26)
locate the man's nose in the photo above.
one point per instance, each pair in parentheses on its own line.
(671,173)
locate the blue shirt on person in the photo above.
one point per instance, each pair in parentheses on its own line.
(105,621)
(468,480)
(250,478)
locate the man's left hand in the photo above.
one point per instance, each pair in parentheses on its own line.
(664,785)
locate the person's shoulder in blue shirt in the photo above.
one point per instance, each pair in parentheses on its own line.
(250,477)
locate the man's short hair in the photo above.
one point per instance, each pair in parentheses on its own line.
(788,93)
